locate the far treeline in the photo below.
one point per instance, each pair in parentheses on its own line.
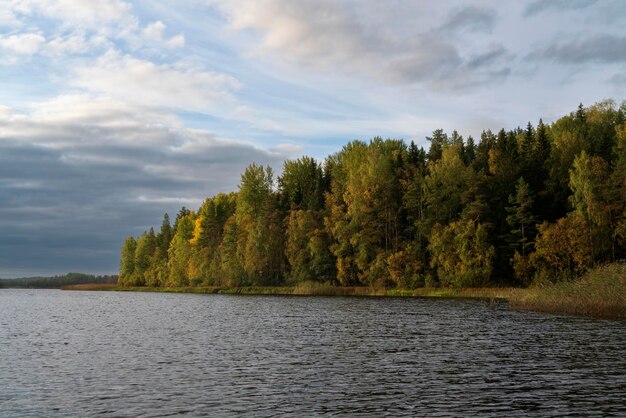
(56,282)
(547,202)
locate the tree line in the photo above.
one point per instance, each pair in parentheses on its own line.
(56,282)
(546,201)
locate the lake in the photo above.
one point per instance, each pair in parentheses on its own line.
(156,354)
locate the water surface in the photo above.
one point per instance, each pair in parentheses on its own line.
(155,354)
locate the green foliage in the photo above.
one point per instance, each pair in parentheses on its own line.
(563,249)
(522,224)
(302,184)
(127,262)
(383,214)
(307,248)
(259,227)
(461,254)
(179,253)
(255,191)
(447,186)
(589,180)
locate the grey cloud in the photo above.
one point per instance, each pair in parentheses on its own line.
(618,80)
(428,58)
(357,38)
(541,6)
(68,207)
(602,48)
(470,18)
(487,58)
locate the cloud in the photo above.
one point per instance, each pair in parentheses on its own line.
(470,18)
(287,149)
(357,38)
(177,41)
(542,6)
(155,32)
(145,83)
(72,44)
(599,48)
(487,58)
(78,178)
(618,80)
(103,15)
(79,27)
(22,44)
(8,18)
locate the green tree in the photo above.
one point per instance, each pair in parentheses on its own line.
(231,266)
(589,180)
(438,141)
(447,187)
(146,246)
(127,262)
(562,249)
(461,254)
(522,224)
(164,237)
(307,248)
(208,233)
(259,227)
(302,184)
(618,189)
(180,252)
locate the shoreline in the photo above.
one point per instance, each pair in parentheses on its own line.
(600,293)
(496,293)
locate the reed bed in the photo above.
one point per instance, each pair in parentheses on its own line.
(600,293)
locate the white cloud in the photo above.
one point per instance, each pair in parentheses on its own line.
(177,41)
(72,44)
(8,18)
(92,15)
(78,26)
(22,44)
(155,85)
(154,31)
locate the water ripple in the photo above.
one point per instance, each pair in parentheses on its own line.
(156,355)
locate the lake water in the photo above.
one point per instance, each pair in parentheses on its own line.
(154,354)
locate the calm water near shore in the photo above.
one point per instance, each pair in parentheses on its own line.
(156,354)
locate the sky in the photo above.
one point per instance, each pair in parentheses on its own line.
(114,112)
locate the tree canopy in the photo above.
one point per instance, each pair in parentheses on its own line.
(546,200)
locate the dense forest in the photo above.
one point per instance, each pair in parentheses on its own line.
(541,202)
(56,282)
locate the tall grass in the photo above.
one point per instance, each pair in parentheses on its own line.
(256,290)
(601,293)
(312,288)
(458,292)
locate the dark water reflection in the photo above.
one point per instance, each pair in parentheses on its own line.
(142,354)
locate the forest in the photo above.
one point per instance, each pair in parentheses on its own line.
(544,202)
(56,282)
